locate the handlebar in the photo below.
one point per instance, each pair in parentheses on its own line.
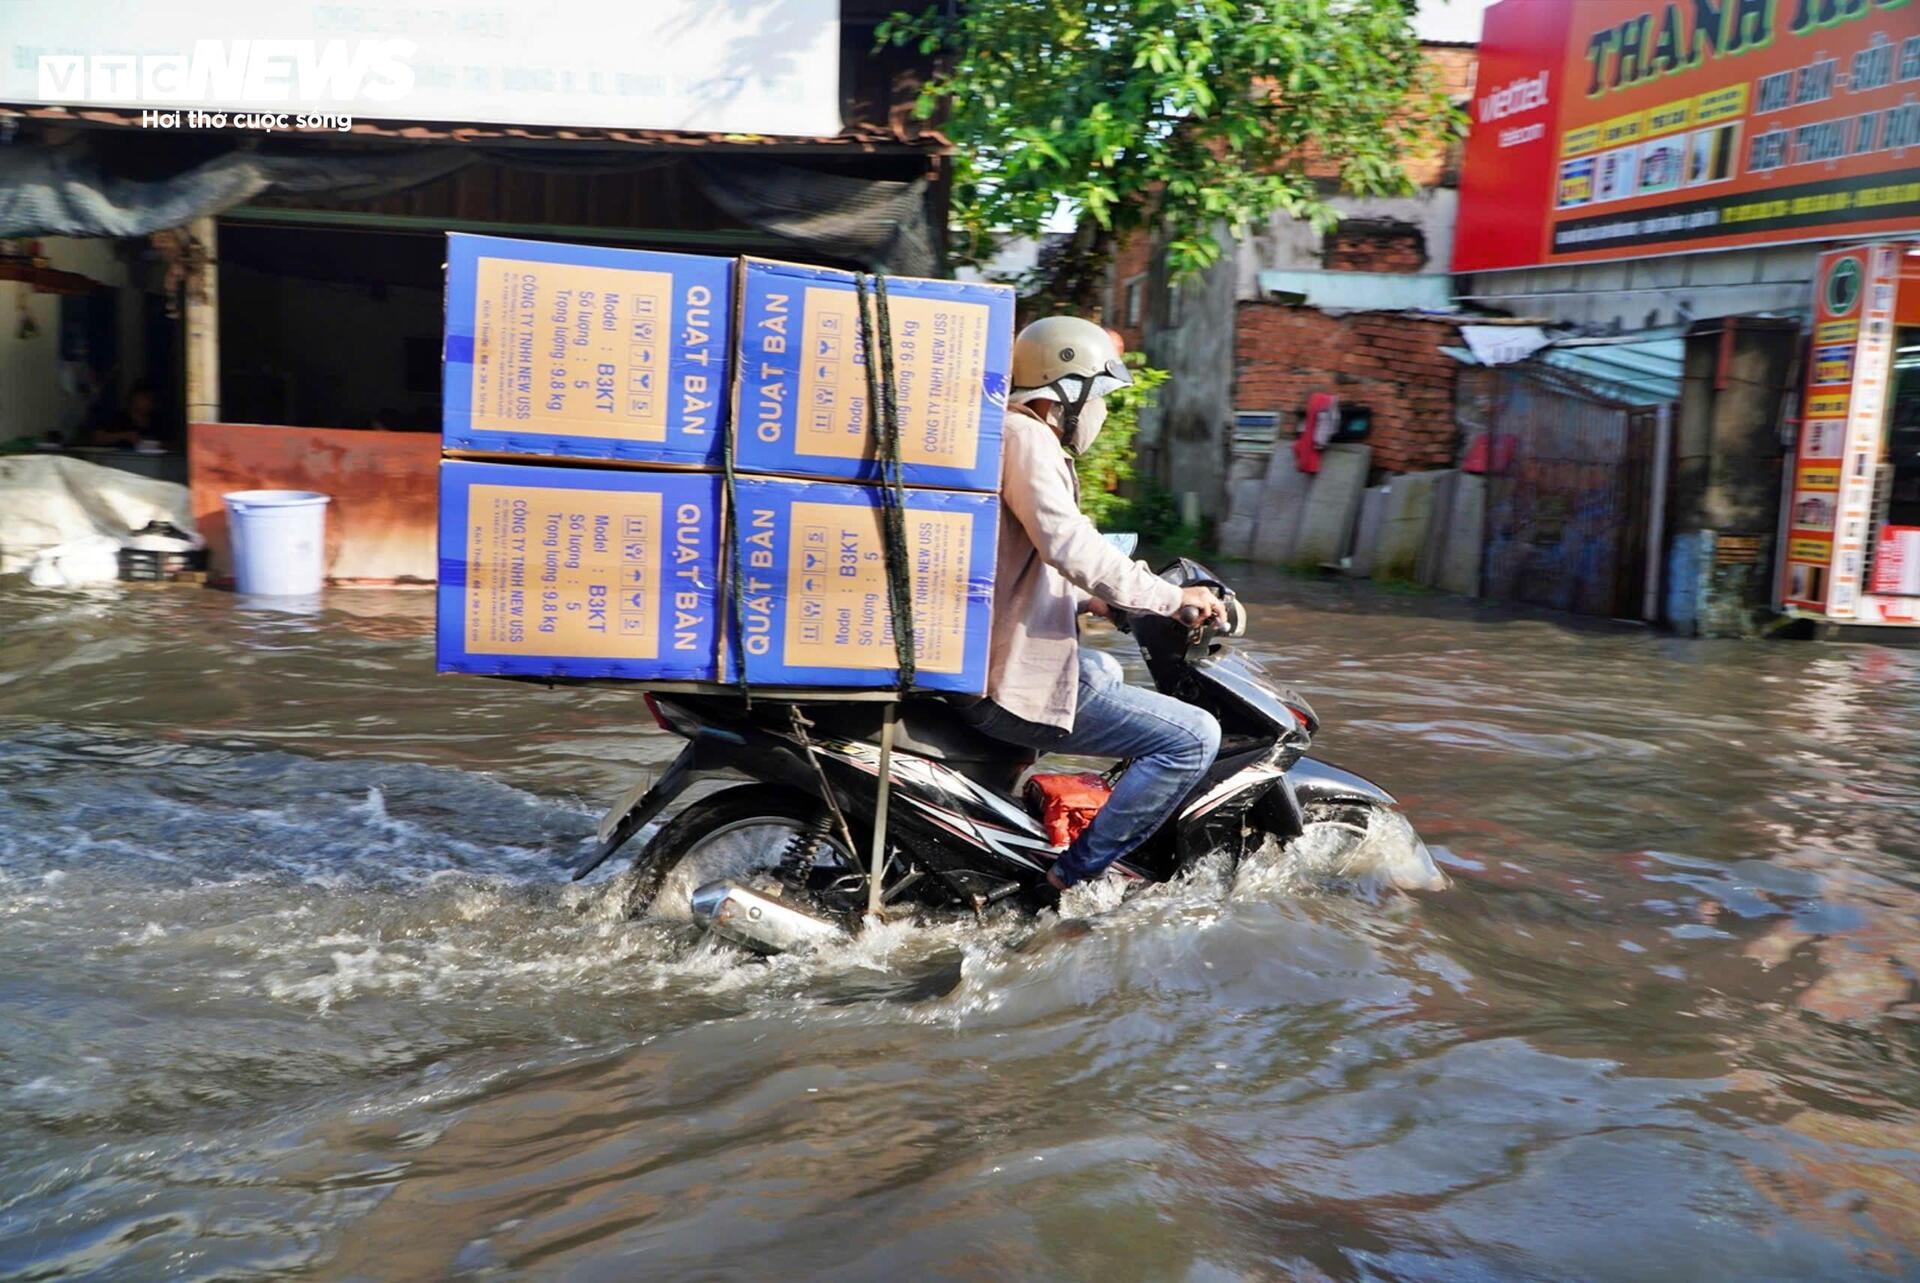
(1236,618)
(1190,617)
(1236,625)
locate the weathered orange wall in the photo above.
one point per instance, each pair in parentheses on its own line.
(380,525)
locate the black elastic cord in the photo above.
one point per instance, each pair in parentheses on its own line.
(730,533)
(884,413)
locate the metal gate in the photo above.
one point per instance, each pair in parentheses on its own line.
(1569,489)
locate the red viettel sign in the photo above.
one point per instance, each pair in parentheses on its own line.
(1606,129)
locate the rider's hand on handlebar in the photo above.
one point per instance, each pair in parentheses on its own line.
(1198,605)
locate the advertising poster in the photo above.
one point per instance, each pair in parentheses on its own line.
(1850,359)
(1607,129)
(1868,277)
(1813,510)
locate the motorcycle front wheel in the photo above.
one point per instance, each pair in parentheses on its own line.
(1358,841)
(734,833)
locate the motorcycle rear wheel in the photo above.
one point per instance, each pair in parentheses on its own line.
(735,832)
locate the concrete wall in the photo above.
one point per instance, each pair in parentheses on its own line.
(1727,460)
(1290,244)
(1728,446)
(1643,293)
(381,524)
(1188,429)
(32,396)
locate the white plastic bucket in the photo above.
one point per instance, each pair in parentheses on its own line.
(279,541)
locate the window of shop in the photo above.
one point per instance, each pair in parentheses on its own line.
(330,328)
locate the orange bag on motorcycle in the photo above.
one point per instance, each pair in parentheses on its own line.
(1066,804)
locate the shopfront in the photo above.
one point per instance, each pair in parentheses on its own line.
(1731,168)
(306,265)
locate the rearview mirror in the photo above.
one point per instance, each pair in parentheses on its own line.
(1126,542)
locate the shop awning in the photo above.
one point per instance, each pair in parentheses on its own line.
(1634,369)
(69,190)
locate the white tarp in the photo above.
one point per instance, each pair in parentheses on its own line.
(1503,344)
(49,501)
(747,67)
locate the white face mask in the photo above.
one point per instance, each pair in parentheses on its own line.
(1087,426)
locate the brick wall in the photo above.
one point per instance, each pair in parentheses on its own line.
(1457,68)
(1435,165)
(1131,264)
(1457,65)
(1389,362)
(1359,246)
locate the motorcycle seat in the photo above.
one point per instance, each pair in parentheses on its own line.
(928,730)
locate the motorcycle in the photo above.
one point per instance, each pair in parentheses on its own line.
(774,865)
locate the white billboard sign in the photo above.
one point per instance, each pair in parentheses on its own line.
(746,67)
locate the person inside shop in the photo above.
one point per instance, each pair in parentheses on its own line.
(134,425)
(1045,690)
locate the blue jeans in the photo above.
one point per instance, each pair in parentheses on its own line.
(1171,744)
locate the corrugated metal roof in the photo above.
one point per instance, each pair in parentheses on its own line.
(858,137)
(1636,369)
(1639,369)
(1361,291)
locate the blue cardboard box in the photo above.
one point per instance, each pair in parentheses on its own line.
(579,572)
(582,352)
(814,604)
(800,386)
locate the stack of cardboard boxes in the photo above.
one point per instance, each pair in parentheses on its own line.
(604,551)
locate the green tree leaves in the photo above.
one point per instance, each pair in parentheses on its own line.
(1180,114)
(1106,465)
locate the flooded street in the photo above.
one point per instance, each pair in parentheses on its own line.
(290,983)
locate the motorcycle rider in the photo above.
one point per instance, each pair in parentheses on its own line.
(1045,691)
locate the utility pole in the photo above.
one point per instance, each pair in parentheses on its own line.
(202,290)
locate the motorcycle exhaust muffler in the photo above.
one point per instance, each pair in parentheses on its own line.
(760,920)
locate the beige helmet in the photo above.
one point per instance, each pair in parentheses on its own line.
(1066,359)
(1073,362)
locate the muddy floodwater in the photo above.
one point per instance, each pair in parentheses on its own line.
(290,984)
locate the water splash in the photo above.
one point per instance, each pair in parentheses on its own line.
(295,981)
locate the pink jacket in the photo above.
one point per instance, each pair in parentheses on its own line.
(1050,559)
